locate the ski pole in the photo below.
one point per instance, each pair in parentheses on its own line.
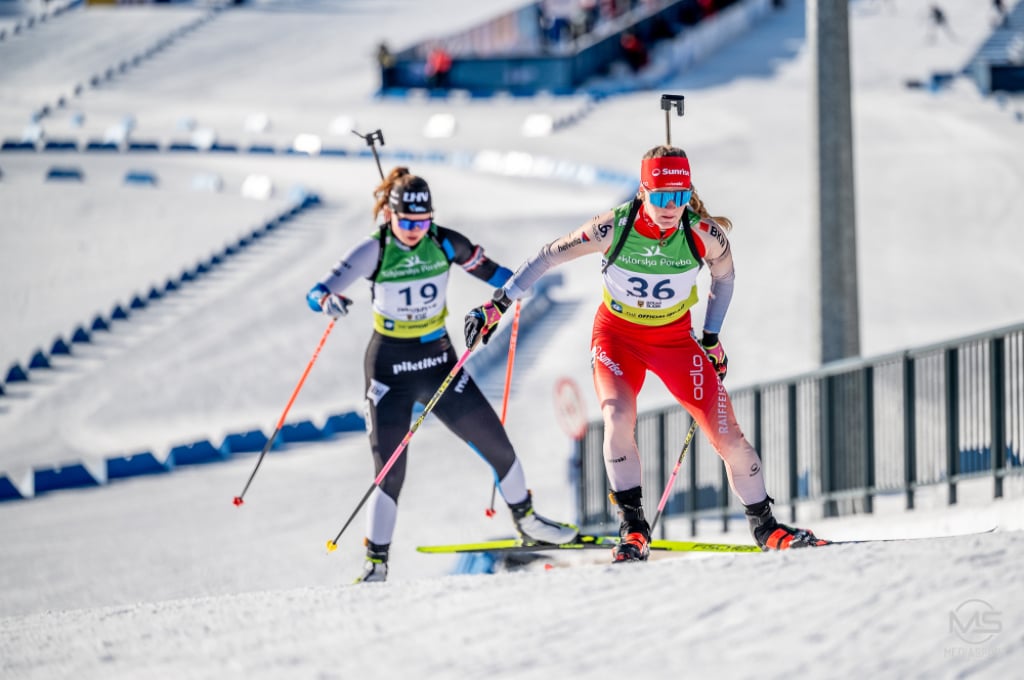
(672,477)
(280,423)
(490,512)
(333,544)
(675,471)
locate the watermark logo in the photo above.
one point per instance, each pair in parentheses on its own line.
(975,622)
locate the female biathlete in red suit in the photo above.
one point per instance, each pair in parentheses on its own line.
(653,250)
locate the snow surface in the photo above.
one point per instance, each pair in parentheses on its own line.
(162,577)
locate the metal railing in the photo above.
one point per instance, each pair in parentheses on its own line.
(842,435)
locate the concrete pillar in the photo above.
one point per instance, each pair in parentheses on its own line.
(833,197)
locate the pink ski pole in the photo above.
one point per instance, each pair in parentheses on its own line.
(672,477)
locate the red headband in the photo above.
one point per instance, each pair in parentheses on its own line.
(666,172)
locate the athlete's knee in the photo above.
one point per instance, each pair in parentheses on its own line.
(618,413)
(735,450)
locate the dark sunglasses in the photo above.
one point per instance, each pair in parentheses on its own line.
(661,199)
(413,225)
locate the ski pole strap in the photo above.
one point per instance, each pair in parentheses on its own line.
(617,248)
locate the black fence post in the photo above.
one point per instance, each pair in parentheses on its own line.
(952,421)
(997,402)
(692,498)
(582,479)
(791,439)
(869,438)
(827,443)
(909,430)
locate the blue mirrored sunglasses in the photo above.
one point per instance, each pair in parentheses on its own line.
(661,199)
(413,225)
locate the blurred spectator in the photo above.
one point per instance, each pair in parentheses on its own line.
(386,61)
(589,12)
(689,13)
(439,66)
(557,18)
(937,22)
(662,29)
(613,8)
(1002,19)
(634,51)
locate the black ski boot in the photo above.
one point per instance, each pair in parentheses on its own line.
(534,528)
(375,569)
(634,531)
(770,534)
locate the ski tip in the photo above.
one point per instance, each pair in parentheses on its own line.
(238,501)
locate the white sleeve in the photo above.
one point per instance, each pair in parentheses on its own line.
(357,263)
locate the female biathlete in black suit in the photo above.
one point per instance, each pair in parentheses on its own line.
(410,354)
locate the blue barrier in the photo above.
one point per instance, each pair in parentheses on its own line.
(344,422)
(244,442)
(137,464)
(60,145)
(17,145)
(143,146)
(16,374)
(81,335)
(60,347)
(38,360)
(70,477)
(197,453)
(118,313)
(100,324)
(302,431)
(97,145)
(9,492)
